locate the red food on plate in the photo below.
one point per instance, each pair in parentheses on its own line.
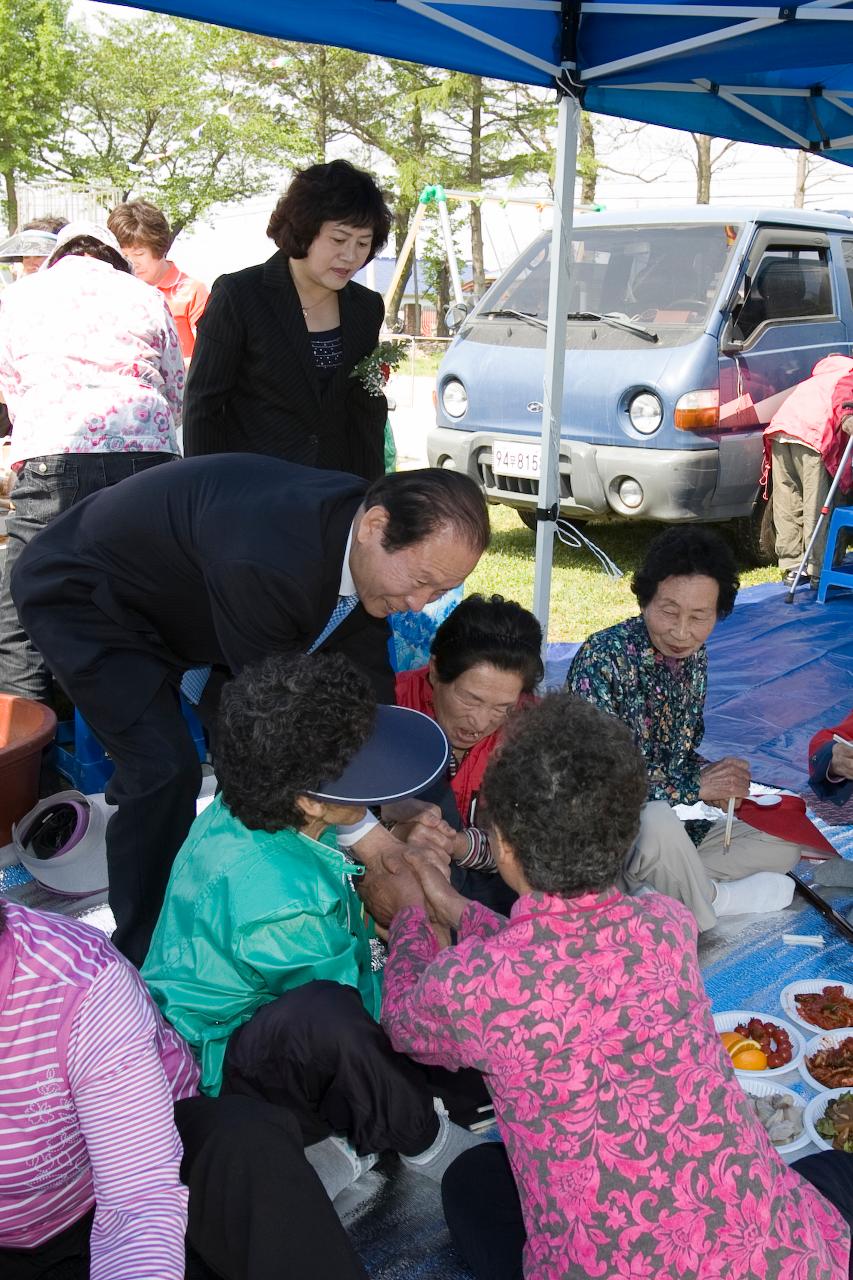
(833,1067)
(828,1009)
(774,1040)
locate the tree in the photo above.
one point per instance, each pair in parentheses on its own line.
(172,111)
(707,162)
(36,65)
(815,177)
(492,131)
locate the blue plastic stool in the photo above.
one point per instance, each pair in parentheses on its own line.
(79,756)
(842,576)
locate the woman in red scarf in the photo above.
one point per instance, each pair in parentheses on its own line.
(485,660)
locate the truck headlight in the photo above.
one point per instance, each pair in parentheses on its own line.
(454,398)
(646,413)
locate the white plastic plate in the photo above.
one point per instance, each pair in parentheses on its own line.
(728,1020)
(789,1004)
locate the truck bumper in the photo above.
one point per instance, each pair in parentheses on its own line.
(677,484)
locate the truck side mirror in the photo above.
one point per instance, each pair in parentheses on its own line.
(455,314)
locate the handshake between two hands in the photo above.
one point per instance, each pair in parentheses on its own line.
(411,867)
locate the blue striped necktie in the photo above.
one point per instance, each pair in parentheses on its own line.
(193,682)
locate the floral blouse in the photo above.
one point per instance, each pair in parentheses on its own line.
(660,699)
(636,1154)
(89,363)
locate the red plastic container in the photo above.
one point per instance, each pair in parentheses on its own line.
(25,730)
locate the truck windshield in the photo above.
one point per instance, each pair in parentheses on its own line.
(658,276)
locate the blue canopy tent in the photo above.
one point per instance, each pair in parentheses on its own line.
(755,72)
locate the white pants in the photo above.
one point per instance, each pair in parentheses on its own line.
(666,858)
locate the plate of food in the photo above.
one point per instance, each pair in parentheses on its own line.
(827,1063)
(780,1110)
(829,1120)
(759,1046)
(818,1004)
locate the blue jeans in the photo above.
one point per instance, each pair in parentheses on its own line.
(44,489)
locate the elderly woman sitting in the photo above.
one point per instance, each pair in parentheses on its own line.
(652,672)
(485,661)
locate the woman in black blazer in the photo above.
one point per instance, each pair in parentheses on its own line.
(278,342)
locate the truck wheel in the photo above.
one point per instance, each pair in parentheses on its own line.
(528,517)
(755,535)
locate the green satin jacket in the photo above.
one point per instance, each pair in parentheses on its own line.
(249,915)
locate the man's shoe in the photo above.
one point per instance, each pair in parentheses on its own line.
(814,581)
(789,577)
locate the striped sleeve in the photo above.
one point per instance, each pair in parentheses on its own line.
(124,1105)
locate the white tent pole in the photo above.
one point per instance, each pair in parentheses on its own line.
(555,353)
(450,249)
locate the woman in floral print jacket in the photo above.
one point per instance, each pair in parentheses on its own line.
(635,1153)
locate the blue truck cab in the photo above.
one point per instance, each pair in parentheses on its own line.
(687,329)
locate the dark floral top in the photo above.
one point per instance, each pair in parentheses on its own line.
(660,699)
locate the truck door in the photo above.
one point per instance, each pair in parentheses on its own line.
(788,320)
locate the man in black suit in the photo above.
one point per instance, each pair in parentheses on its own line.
(218,562)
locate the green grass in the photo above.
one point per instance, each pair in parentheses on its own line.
(583,598)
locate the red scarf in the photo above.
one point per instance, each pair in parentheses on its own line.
(415,691)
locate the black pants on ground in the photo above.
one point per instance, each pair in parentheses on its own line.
(316,1051)
(257,1210)
(483,1210)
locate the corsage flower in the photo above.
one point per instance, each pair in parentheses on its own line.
(374,370)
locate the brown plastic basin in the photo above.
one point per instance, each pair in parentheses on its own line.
(25,730)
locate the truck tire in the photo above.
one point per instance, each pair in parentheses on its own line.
(528,517)
(755,535)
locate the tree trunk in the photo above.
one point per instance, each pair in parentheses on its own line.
(11,199)
(703,168)
(475,172)
(322,127)
(587,161)
(403,214)
(800,183)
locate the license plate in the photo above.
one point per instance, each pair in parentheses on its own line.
(514,459)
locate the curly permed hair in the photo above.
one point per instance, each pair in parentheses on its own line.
(565,791)
(683,550)
(285,726)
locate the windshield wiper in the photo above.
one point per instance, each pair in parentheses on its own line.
(517,315)
(640,331)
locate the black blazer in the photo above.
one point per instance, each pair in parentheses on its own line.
(253,384)
(216,560)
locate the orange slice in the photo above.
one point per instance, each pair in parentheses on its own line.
(738,1042)
(729,1038)
(747,1058)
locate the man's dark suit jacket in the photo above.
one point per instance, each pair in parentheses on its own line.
(217,560)
(253,385)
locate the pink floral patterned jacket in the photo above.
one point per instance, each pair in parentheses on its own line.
(636,1154)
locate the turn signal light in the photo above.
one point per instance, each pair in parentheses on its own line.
(698,411)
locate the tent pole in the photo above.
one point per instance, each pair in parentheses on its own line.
(555,354)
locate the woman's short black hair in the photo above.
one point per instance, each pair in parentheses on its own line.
(683,550)
(89,247)
(423,501)
(285,726)
(497,631)
(334,192)
(565,791)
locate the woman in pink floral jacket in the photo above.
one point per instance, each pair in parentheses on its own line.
(634,1151)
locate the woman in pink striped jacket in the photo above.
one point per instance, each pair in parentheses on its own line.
(104,1147)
